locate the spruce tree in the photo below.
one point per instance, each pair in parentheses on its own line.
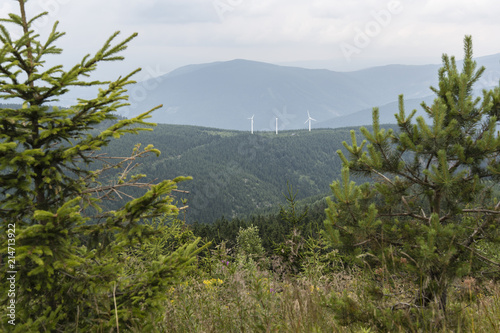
(431,203)
(63,249)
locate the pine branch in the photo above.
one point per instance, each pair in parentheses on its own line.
(418,217)
(486,211)
(474,252)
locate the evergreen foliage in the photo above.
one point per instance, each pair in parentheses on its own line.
(69,274)
(236,174)
(273,229)
(291,215)
(249,243)
(292,249)
(431,203)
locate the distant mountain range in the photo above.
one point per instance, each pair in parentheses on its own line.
(225,94)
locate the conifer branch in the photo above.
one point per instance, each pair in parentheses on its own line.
(480,256)
(485,211)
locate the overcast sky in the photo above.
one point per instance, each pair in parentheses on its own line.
(338,35)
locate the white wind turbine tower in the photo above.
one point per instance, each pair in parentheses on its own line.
(276,125)
(309,120)
(251,124)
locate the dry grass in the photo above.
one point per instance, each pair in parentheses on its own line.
(256,301)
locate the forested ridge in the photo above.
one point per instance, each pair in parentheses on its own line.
(236,173)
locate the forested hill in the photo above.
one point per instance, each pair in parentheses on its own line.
(237,173)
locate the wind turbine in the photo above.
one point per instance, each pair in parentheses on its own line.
(276,125)
(309,120)
(251,126)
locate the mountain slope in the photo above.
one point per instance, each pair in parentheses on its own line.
(386,114)
(236,173)
(225,94)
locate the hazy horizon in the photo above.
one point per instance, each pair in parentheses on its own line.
(336,35)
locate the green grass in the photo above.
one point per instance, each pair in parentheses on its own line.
(242,297)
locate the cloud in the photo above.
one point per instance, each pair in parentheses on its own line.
(171,12)
(176,32)
(459,11)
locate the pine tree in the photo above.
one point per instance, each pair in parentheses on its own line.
(432,201)
(67,251)
(292,250)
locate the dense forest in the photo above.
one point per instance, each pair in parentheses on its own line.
(236,174)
